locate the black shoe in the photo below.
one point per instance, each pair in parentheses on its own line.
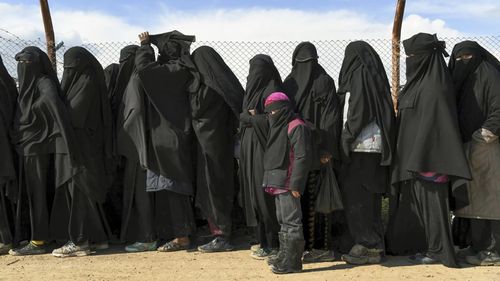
(292,257)
(360,255)
(484,258)
(424,259)
(316,255)
(272,260)
(28,250)
(219,244)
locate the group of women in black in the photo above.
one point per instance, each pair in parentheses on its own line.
(134,151)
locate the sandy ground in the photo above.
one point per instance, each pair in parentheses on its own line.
(113,264)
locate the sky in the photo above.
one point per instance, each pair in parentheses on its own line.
(77,21)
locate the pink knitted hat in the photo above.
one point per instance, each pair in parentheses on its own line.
(276,96)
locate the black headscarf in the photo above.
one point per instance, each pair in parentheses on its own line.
(81,72)
(173,46)
(428,137)
(126,68)
(312,91)
(263,79)
(110,74)
(42,124)
(363,76)
(84,88)
(477,80)
(8,96)
(215,74)
(276,156)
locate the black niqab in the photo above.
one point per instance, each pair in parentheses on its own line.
(126,68)
(428,137)
(263,79)
(477,80)
(312,91)
(276,156)
(84,88)
(215,74)
(41,124)
(110,74)
(363,76)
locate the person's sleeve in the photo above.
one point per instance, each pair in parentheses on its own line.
(144,56)
(492,122)
(300,141)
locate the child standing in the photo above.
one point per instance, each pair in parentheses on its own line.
(287,162)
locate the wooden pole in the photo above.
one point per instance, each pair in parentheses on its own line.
(49,32)
(396,50)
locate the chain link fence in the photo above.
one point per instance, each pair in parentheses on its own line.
(238,53)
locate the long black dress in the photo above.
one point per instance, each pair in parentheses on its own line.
(260,210)
(8,177)
(215,109)
(155,136)
(364,175)
(44,137)
(429,158)
(476,74)
(313,93)
(79,205)
(118,81)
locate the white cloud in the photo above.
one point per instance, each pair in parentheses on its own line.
(257,24)
(287,26)
(413,24)
(478,10)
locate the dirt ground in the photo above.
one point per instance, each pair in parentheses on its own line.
(113,264)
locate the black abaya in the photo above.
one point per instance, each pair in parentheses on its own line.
(84,89)
(154,133)
(260,210)
(43,135)
(8,177)
(429,141)
(312,91)
(215,108)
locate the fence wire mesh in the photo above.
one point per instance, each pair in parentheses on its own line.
(238,53)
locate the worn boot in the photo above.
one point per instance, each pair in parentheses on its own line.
(292,257)
(272,260)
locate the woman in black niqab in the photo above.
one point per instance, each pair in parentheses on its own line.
(312,91)
(367,146)
(8,176)
(260,210)
(429,158)
(155,137)
(85,94)
(476,74)
(215,109)
(44,137)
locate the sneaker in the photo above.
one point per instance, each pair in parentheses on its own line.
(316,255)
(255,248)
(360,255)
(28,250)
(141,247)
(424,259)
(263,253)
(100,246)
(484,258)
(219,244)
(72,250)
(5,248)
